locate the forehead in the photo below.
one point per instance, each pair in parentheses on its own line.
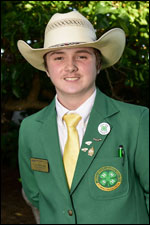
(72,51)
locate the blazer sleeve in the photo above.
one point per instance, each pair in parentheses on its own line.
(142,154)
(27,177)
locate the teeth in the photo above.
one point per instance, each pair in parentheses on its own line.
(72,78)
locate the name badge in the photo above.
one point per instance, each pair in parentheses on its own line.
(40,165)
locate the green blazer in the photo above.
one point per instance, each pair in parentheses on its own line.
(106,188)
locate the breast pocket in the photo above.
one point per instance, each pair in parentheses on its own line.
(108,178)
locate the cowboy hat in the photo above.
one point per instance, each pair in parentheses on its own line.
(70,30)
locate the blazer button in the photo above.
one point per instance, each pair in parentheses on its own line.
(70,213)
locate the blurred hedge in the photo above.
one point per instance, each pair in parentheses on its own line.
(26,20)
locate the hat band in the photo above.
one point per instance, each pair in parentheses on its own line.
(66,44)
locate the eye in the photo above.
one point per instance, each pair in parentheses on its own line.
(58,58)
(82,57)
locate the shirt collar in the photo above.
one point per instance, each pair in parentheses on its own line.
(83,110)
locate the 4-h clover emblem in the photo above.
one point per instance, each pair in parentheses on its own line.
(108,178)
(104,128)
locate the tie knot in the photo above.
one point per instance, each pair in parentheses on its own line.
(72,119)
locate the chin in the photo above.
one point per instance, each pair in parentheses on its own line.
(72,92)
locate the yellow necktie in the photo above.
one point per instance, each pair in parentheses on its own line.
(72,146)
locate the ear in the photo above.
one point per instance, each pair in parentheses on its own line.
(99,69)
(47,73)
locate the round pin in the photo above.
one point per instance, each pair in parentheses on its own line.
(104,128)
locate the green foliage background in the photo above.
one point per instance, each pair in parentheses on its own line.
(26,20)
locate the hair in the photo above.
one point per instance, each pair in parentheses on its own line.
(98,60)
(45,62)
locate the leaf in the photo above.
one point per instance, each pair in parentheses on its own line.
(131,51)
(20,180)
(131,83)
(141,76)
(123,26)
(103,8)
(123,15)
(16,92)
(14,75)
(143,22)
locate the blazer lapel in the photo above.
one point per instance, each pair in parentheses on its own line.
(100,113)
(50,141)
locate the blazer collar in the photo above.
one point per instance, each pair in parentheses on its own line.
(103,105)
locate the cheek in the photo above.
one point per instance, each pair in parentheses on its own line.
(54,72)
(90,67)
(90,71)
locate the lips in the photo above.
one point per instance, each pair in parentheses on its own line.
(71,78)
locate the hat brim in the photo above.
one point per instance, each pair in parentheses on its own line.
(111,45)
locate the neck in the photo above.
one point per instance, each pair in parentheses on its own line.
(72,102)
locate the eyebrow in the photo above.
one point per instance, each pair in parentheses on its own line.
(52,53)
(84,51)
(79,51)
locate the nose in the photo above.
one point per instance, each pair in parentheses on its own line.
(71,66)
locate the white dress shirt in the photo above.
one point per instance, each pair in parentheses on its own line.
(84,111)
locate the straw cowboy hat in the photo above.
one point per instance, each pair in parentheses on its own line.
(70,30)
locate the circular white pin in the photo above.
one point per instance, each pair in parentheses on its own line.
(104,128)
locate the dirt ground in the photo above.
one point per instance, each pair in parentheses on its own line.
(14,210)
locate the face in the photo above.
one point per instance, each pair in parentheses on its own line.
(72,71)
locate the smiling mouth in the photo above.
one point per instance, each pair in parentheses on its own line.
(71,78)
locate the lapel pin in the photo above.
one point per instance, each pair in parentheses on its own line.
(97,139)
(84,149)
(88,142)
(91,151)
(104,128)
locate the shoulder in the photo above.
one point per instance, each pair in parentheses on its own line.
(128,107)
(36,119)
(132,114)
(126,110)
